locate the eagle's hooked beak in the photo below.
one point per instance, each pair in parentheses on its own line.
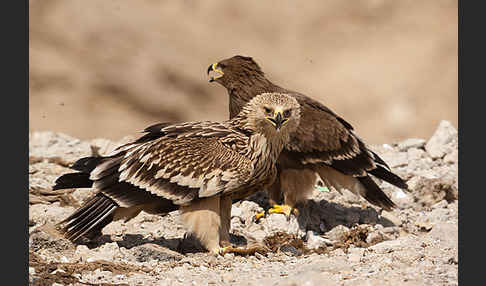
(277,120)
(214,67)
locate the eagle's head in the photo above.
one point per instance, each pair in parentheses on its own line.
(233,69)
(272,114)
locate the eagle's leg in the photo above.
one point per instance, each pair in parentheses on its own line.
(274,197)
(203,219)
(225,211)
(297,186)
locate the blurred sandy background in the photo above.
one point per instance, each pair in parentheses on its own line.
(104,68)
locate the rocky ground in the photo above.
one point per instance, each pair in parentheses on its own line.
(338,239)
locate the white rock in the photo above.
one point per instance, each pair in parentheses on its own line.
(236,211)
(337,233)
(316,241)
(437,146)
(391,217)
(452,157)
(397,160)
(411,143)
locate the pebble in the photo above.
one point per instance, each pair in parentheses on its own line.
(437,146)
(391,217)
(337,233)
(411,143)
(315,241)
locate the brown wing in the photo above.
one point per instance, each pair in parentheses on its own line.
(184,162)
(325,138)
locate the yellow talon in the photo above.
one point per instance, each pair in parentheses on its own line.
(226,249)
(283,209)
(259,215)
(243,251)
(278,209)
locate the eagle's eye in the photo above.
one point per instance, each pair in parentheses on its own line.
(286,113)
(267,110)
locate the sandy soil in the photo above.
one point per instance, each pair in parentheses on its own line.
(338,239)
(388,67)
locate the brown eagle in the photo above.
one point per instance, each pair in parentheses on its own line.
(324,143)
(195,167)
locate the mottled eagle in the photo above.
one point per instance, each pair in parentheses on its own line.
(195,167)
(324,143)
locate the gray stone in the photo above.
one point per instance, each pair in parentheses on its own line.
(411,143)
(290,250)
(150,251)
(414,154)
(315,241)
(278,223)
(47,237)
(236,211)
(437,146)
(397,160)
(429,191)
(376,236)
(387,246)
(391,217)
(248,211)
(337,233)
(446,233)
(452,157)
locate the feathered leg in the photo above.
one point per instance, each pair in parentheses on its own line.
(203,219)
(225,211)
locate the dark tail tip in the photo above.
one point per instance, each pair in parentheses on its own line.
(389,177)
(86,164)
(73,180)
(375,195)
(90,218)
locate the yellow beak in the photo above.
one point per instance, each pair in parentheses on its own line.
(277,120)
(214,67)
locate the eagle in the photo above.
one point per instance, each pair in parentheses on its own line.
(324,144)
(198,168)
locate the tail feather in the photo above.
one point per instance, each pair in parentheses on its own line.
(92,216)
(81,179)
(73,180)
(375,195)
(389,177)
(86,164)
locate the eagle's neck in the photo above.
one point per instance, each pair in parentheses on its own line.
(243,90)
(264,151)
(262,147)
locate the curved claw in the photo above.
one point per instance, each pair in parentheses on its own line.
(284,209)
(241,251)
(276,209)
(258,216)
